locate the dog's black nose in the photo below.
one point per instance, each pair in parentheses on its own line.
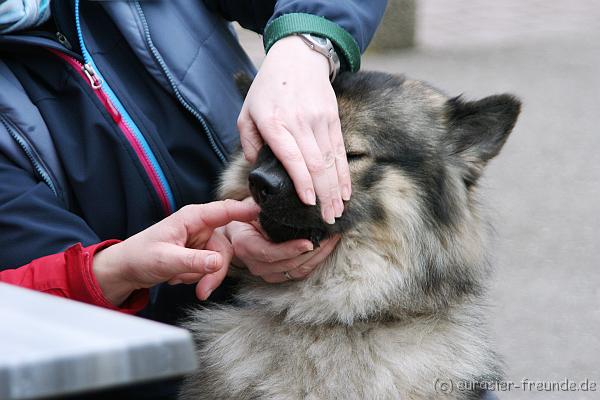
(264,184)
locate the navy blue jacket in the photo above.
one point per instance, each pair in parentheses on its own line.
(129,112)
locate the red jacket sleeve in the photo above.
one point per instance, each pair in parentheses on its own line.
(70,275)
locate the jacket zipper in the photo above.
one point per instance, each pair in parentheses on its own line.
(62,39)
(207,130)
(116,109)
(87,72)
(34,158)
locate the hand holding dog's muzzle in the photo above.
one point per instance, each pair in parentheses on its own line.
(291,106)
(275,262)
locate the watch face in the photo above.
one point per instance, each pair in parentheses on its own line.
(320,40)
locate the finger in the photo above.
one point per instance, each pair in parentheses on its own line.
(328,174)
(187,278)
(341,161)
(317,168)
(275,278)
(316,257)
(286,150)
(200,219)
(250,200)
(175,260)
(250,245)
(218,243)
(249,136)
(210,282)
(263,269)
(261,251)
(306,268)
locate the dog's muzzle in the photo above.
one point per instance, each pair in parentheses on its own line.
(283,215)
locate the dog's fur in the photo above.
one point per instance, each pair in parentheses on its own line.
(398,305)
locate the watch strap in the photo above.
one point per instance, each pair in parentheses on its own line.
(289,24)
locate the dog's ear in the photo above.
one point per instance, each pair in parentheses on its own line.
(478,129)
(243,82)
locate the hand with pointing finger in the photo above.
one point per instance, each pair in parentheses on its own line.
(292,107)
(185,247)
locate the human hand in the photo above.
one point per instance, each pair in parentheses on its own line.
(270,261)
(183,248)
(292,107)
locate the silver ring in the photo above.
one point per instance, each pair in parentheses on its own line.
(287,276)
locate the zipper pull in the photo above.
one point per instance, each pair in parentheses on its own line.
(91,74)
(62,39)
(96,83)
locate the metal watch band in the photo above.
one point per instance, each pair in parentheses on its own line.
(323,46)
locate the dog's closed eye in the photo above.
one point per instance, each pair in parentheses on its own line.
(355,156)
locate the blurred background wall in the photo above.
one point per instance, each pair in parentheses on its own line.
(544,189)
(398,28)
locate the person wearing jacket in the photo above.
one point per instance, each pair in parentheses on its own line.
(185,247)
(115,114)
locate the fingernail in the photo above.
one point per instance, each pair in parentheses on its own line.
(346,192)
(207,293)
(328,214)
(211,262)
(339,207)
(175,282)
(309,196)
(306,247)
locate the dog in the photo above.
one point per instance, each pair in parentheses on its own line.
(397,311)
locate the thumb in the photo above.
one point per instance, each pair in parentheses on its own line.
(178,260)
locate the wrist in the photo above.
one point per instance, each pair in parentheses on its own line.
(108,268)
(294,49)
(289,24)
(323,46)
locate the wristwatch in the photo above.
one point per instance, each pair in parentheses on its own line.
(323,46)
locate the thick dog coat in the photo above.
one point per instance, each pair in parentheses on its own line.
(397,308)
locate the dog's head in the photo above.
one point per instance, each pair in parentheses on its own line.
(415,157)
(405,141)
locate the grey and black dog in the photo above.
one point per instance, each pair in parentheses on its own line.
(397,310)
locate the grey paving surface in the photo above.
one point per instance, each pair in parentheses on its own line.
(544,189)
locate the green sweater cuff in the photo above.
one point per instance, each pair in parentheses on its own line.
(288,24)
